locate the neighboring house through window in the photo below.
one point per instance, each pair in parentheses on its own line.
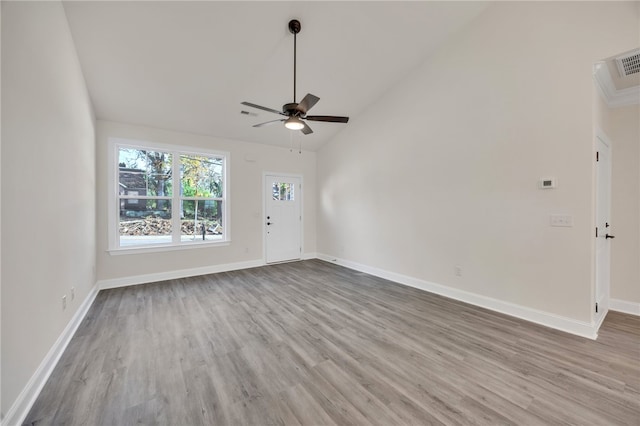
(166,196)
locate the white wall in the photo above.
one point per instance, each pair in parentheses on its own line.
(48,187)
(624,131)
(246,202)
(443,170)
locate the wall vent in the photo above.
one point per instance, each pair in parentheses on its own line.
(629,64)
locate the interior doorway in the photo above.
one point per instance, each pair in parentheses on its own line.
(603,231)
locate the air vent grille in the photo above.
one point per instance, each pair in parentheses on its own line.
(629,64)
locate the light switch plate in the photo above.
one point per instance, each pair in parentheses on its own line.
(562,220)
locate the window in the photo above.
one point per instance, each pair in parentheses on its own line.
(283,191)
(167,196)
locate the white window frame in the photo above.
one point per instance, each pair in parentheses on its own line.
(113,215)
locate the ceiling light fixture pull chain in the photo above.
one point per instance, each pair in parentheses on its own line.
(290,141)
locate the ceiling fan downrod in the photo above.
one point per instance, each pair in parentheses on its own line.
(294,28)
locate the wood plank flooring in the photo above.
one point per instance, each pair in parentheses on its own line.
(316,344)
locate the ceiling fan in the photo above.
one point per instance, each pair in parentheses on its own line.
(296,113)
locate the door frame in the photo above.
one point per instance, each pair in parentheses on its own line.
(264,211)
(598,317)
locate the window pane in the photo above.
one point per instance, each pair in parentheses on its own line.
(201,176)
(283,191)
(144,222)
(144,172)
(201,220)
(155,183)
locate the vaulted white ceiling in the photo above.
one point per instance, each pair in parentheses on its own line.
(186,66)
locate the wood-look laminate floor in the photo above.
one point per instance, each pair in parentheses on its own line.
(313,343)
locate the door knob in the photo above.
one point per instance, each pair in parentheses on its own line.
(608,236)
(268,223)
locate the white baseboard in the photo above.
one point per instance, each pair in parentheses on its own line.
(26,399)
(308,256)
(181,273)
(568,325)
(599,317)
(632,308)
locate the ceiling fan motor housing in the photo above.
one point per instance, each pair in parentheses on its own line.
(291,109)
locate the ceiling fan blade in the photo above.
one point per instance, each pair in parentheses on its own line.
(268,123)
(307,103)
(306,129)
(275,111)
(329,118)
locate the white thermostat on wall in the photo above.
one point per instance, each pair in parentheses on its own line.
(547,183)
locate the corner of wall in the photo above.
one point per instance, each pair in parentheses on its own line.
(25,400)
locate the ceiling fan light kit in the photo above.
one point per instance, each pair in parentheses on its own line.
(297,112)
(293,123)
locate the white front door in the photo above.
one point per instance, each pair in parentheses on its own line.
(603,225)
(283,218)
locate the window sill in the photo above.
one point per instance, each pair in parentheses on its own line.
(161,248)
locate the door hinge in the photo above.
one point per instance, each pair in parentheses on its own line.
(596,308)
(596,232)
(597,155)
(300,249)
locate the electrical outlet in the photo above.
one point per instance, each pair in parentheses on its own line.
(457,270)
(73,293)
(64,302)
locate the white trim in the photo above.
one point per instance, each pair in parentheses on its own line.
(546,319)
(601,314)
(166,247)
(308,256)
(181,273)
(631,308)
(612,96)
(603,303)
(22,405)
(112,192)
